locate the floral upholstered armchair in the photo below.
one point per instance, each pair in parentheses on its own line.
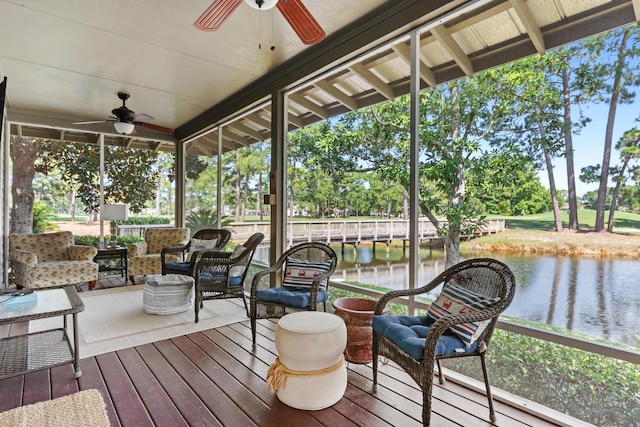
(51,259)
(145,256)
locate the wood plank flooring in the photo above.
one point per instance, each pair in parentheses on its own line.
(212,378)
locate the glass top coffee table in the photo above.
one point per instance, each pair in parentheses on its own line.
(40,350)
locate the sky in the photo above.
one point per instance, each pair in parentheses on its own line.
(588,145)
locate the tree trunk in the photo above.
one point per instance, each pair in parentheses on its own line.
(237,184)
(552,181)
(23,152)
(260,201)
(568,142)
(608,139)
(405,204)
(614,196)
(72,208)
(158,195)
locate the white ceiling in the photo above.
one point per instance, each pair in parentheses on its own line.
(65,60)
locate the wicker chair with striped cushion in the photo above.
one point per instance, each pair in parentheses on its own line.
(304,271)
(459,323)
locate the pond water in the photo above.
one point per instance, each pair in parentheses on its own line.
(591,296)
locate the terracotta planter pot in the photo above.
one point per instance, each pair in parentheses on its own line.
(357,314)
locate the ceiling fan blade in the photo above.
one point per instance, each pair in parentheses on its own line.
(141,117)
(155,127)
(93,122)
(216,14)
(302,22)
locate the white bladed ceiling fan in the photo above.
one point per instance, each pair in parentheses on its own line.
(296,14)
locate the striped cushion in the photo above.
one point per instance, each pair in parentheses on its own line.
(301,273)
(456,300)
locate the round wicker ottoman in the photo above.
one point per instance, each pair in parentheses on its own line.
(169,294)
(310,371)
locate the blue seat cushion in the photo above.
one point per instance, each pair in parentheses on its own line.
(178,266)
(409,333)
(289,296)
(207,276)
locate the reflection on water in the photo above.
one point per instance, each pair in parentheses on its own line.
(596,297)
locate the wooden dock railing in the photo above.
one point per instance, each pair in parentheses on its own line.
(346,231)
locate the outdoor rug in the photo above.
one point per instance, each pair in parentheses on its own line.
(114,319)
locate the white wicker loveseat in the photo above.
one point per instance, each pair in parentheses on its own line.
(51,259)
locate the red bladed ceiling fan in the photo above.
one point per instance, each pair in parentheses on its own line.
(124,120)
(302,22)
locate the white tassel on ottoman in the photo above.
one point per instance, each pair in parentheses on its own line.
(169,294)
(310,371)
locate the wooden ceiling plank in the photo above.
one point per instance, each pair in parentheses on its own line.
(528,20)
(404,52)
(309,105)
(442,35)
(373,80)
(336,93)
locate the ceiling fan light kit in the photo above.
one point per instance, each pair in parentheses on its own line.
(261,4)
(124,128)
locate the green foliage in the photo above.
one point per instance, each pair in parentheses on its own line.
(94,240)
(145,220)
(130,177)
(42,217)
(598,389)
(206,218)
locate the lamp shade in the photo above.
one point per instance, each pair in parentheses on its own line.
(124,128)
(114,212)
(261,4)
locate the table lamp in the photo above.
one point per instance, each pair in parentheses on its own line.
(113,213)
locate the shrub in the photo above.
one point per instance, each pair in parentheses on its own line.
(42,217)
(144,220)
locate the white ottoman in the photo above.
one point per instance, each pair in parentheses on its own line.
(169,294)
(310,346)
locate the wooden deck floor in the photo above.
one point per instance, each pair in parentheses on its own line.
(212,378)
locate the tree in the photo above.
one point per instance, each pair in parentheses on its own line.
(629,146)
(613,86)
(24,153)
(455,119)
(129,174)
(540,105)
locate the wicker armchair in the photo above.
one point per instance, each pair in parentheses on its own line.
(189,254)
(305,271)
(485,288)
(222,274)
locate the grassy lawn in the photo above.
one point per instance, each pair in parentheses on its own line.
(586,221)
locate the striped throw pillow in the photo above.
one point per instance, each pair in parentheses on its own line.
(301,273)
(456,300)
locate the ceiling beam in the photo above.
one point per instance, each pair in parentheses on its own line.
(336,93)
(426,74)
(373,80)
(309,105)
(241,127)
(450,45)
(528,20)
